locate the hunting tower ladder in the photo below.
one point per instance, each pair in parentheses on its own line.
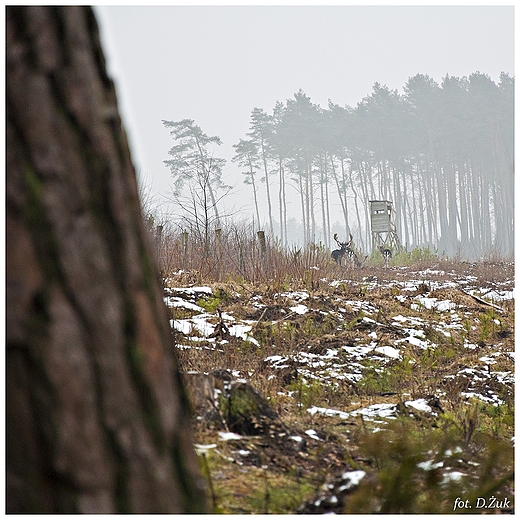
(382,222)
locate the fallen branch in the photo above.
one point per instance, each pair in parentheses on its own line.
(259,320)
(483,302)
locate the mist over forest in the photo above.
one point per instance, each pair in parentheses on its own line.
(442,153)
(226,361)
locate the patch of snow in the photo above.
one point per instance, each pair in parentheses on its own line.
(299,309)
(359,305)
(414,340)
(428,272)
(390,352)
(357,352)
(297,296)
(193,290)
(494,399)
(338,375)
(353,478)
(419,404)
(241,331)
(487,359)
(408,286)
(433,303)
(449,453)
(331,353)
(244,453)
(312,434)
(429,465)
(498,295)
(274,359)
(184,326)
(229,436)
(504,377)
(176,301)
(202,325)
(412,320)
(454,476)
(328,412)
(383,410)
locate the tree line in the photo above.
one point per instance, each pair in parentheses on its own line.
(442,153)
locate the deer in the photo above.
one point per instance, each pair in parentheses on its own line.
(345,249)
(386,253)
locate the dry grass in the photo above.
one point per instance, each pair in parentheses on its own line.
(457,355)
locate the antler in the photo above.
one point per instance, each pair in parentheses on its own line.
(344,244)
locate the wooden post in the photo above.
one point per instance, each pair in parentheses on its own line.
(261,240)
(184,245)
(241,264)
(218,240)
(158,248)
(159,233)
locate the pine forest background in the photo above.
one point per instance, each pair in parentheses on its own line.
(443,153)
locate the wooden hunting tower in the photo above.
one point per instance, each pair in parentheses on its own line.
(382,222)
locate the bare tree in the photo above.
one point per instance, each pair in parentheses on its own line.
(97,418)
(193,163)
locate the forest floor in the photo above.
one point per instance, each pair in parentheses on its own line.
(373,390)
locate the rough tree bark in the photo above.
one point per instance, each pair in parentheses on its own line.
(97,417)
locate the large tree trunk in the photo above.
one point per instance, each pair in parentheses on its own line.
(97,417)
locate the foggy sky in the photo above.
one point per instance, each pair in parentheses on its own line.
(215,64)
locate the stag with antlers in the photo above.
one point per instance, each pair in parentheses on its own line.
(345,249)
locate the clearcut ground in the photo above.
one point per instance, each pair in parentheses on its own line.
(396,386)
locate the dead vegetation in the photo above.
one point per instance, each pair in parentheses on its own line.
(351,390)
